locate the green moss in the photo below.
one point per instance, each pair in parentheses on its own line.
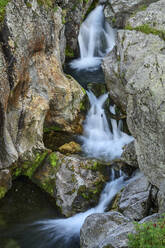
(48,186)
(147,30)
(32,167)
(69,52)
(46,3)
(2,191)
(53,128)
(29,5)
(53,159)
(3,4)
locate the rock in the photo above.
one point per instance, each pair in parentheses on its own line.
(40,93)
(118,11)
(75,183)
(121,64)
(71,147)
(134,198)
(129,155)
(152,18)
(146,117)
(73,15)
(105,230)
(8,153)
(151,218)
(5,182)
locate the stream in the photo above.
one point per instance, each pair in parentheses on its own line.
(36,224)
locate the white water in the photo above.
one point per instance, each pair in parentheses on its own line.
(96,38)
(62,231)
(98,140)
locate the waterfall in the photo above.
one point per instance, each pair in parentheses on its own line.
(98,140)
(96,38)
(65,233)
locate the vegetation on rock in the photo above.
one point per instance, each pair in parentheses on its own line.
(148,235)
(3,4)
(147,30)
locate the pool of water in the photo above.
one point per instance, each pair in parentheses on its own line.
(22,205)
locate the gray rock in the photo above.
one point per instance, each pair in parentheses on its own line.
(151,218)
(74,182)
(122,63)
(105,230)
(118,11)
(153,17)
(134,198)
(129,155)
(146,117)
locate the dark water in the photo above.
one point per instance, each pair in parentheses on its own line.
(24,204)
(85,76)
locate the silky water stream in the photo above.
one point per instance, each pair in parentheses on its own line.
(96,39)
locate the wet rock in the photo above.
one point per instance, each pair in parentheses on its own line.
(74,182)
(73,15)
(5,182)
(105,230)
(70,148)
(129,155)
(134,198)
(120,65)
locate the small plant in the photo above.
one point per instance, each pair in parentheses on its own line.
(148,235)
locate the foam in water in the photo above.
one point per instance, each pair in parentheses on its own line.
(60,233)
(96,38)
(98,140)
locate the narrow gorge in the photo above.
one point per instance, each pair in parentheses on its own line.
(82,120)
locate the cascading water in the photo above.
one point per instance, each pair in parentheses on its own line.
(96,38)
(65,233)
(98,141)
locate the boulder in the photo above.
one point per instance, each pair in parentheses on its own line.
(75,183)
(105,230)
(134,198)
(129,155)
(120,65)
(150,19)
(118,11)
(146,117)
(69,148)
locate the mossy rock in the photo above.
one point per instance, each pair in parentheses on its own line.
(147,30)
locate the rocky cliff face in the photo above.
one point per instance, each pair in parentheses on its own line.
(134,74)
(34,90)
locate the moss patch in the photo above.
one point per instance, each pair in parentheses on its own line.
(3,4)
(147,30)
(69,53)
(46,3)
(28,168)
(53,159)
(2,191)
(53,128)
